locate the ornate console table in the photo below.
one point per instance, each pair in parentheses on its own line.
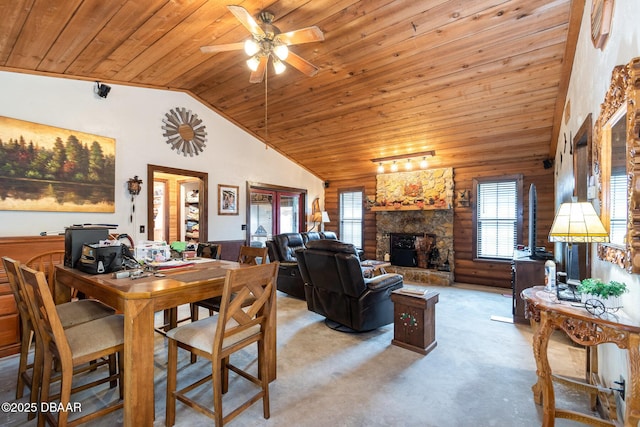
(585,329)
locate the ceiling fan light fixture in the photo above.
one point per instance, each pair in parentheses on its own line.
(281,51)
(278,66)
(253,63)
(251,47)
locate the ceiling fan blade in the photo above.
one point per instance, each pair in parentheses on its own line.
(302,64)
(303,35)
(258,74)
(246,19)
(222,47)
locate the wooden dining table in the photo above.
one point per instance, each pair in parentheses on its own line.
(139,299)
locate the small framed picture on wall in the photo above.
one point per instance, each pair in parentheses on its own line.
(227,199)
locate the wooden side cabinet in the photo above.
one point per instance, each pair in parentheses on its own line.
(21,249)
(525,273)
(414,320)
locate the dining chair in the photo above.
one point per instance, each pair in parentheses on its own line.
(46,262)
(70,348)
(209,250)
(203,250)
(216,338)
(71,313)
(248,255)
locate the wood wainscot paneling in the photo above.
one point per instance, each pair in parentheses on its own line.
(230,248)
(21,248)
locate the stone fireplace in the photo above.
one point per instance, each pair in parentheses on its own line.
(414,212)
(436,224)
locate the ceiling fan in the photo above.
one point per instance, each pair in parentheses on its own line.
(267,41)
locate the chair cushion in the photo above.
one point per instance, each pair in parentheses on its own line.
(287,243)
(333,246)
(82,311)
(95,336)
(200,334)
(329,235)
(309,236)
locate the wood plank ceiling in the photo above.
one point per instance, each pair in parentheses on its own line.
(480,82)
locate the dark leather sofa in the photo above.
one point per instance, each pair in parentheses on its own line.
(336,288)
(283,249)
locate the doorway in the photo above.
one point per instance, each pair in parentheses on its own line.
(177,204)
(273,210)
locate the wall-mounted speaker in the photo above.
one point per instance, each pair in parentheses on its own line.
(547,163)
(326,184)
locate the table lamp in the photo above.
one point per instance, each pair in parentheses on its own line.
(324,219)
(576,222)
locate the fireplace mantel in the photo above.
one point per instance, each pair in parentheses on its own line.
(409,208)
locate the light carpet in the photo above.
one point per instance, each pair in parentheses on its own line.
(480,374)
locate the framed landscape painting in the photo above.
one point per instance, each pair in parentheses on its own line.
(227,199)
(45,168)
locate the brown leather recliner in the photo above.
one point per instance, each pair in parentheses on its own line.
(283,248)
(336,288)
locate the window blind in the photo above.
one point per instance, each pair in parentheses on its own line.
(351,217)
(618,218)
(497,219)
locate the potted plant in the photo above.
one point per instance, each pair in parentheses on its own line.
(608,293)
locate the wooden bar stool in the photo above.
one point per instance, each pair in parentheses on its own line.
(70,348)
(71,313)
(216,338)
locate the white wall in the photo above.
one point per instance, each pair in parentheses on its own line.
(589,83)
(133,117)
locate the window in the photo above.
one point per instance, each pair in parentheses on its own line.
(497,219)
(618,218)
(273,210)
(351,217)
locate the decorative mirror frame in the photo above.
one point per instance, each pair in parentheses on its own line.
(624,89)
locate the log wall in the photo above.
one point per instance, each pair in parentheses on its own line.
(467,270)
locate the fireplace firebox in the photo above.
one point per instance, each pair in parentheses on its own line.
(413,250)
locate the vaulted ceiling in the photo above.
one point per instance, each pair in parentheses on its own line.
(481,82)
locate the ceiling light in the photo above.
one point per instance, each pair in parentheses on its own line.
(251,47)
(281,51)
(253,63)
(278,66)
(408,157)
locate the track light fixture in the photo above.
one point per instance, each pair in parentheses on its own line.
(102,90)
(408,164)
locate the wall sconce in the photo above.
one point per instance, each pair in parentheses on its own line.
(102,90)
(408,157)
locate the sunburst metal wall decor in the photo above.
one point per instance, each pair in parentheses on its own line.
(184,131)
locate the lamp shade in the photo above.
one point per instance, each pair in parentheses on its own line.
(325,217)
(577,222)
